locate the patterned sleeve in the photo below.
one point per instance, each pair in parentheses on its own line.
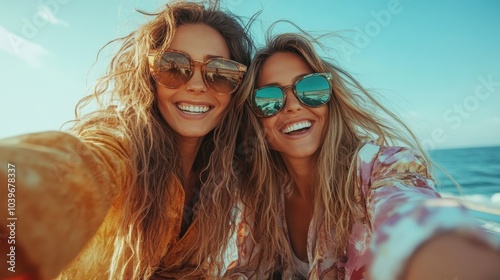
(403,208)
(64,186)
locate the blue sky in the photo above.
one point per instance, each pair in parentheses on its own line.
(437,63)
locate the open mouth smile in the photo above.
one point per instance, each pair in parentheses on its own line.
(193,109)
(298,127)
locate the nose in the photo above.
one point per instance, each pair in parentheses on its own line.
(292,103)
(196,84)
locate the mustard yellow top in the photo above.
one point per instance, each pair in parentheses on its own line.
(66,192)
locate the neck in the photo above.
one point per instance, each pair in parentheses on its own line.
(302,173)
(189,149)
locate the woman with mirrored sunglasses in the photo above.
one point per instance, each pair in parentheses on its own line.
(325,201)
(142,187)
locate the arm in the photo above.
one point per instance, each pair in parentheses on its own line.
(404,210)
(64,187)
(452,256)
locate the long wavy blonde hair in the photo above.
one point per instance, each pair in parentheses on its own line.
(352,120)
(126,96)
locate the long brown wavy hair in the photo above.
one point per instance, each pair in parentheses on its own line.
(126,98)
(354,117)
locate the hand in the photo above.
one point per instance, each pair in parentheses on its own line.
(452,256)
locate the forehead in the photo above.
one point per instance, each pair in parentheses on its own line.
(199,41)
(282,68)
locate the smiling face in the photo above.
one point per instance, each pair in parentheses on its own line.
(297,130)
(193,110)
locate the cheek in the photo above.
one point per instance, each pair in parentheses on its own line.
(223,101)
(162,98)
(322,113)
(267,125)
(163,94)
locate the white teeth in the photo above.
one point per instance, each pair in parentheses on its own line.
(297,126)
(193,109)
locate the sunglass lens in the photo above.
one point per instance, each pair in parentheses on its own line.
(222,76)
(313,90)
(174,69)
(268,101)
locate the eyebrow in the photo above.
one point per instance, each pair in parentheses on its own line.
(273,84)
(295,80)
(208,56)
(205,58)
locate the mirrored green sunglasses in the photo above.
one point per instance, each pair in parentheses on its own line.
(312,90)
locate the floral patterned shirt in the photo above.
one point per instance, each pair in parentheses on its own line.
(398,210)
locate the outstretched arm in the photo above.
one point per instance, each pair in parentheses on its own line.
(61,188)
(409,219)
(453,256)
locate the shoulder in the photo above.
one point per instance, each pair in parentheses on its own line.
(105,128)
(377,161)
(376,156)
(104,122)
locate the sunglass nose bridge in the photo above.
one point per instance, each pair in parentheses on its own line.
(197,70)
(286,89)
(197,63)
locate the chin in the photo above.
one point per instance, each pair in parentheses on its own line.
(302,154)
(197,134)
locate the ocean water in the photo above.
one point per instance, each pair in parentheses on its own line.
(477,171)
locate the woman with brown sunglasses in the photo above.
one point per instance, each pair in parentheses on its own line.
(324,201)
(142,187)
